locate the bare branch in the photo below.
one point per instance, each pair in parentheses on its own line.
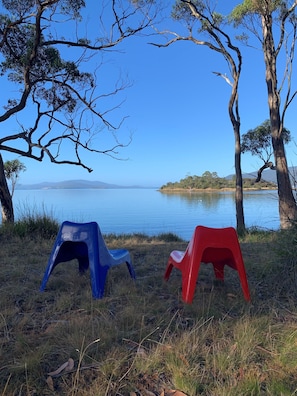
(66,104)
(224,77)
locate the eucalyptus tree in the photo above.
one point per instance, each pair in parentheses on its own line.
(257,141)
(206,27)
(273,23)
(55,103)
(12,170)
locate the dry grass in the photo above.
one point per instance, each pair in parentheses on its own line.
(140,337)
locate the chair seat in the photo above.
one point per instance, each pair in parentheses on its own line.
(177,255)
(120,254)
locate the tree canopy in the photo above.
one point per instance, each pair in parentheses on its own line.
(56,106)
(12,170)
(257,141)
(44,55)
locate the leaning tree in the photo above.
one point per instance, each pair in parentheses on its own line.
(206,27)
(274,25)
(257,141)
(54,103)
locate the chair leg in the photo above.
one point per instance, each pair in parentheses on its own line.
(189,281)
(244,283)
(98,279)
(45,279)
(239,267)
(168,270)
(131,270)
(49,269)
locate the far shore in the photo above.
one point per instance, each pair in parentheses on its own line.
(190,190)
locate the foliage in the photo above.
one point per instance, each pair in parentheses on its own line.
(257,141)
(140,337)
(61,96)
(274,25)
(249,7)
(212,181)
(181,11)
(32,225)
(12,171)
(57,104)
(287,249)
(144,238)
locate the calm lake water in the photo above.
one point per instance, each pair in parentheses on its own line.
(148,210)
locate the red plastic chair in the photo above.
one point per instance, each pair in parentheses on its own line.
(219,246)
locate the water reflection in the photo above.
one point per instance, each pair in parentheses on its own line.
(217,209)
(193,198)
(150,211)
(213,198)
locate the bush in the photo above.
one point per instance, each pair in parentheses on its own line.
(33,226)
(286,247)
(169,237)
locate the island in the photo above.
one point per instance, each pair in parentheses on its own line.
(210,181)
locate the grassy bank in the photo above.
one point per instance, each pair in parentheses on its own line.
(140,339)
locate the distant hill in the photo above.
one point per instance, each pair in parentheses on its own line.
(268,175)
(70,184)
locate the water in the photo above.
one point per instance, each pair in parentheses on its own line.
(148,210)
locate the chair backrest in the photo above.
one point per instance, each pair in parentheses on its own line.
(79,232)
(88,233)
(207,239)
(214,237)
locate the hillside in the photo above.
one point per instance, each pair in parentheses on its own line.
(70,184)
(269,175)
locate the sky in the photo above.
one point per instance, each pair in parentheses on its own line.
(177,115)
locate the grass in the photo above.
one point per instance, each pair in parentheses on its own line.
(141,339)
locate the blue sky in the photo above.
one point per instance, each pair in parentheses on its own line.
(177,114)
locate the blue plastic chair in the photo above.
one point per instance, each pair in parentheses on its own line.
(84,242)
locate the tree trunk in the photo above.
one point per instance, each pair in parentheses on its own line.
(287,203)
(240,225)
(233,109)
(260,171)
(5,197)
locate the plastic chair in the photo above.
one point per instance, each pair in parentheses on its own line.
(219,246)
(84,242)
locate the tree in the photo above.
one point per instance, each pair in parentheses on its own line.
(200,18)
(57,107)
(277,36)
(12,171)
(258,142)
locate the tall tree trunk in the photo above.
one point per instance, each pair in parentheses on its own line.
(233,108)
(240,225)
(5,197)
(287,203)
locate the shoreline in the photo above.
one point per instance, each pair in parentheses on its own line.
(190,190)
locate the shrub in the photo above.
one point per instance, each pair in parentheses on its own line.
(32,225)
